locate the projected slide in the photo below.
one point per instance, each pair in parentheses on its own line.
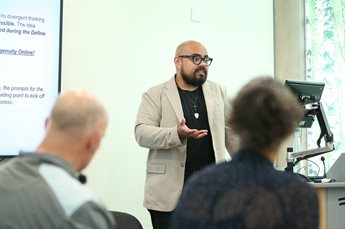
(29,70)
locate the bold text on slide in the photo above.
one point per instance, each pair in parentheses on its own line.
(21,25)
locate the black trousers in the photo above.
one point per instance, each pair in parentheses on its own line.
(160,220)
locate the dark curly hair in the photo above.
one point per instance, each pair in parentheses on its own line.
(264,113)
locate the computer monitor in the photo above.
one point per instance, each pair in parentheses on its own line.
(307,92)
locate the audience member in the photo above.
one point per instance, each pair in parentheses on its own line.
(248,192)
(41,189)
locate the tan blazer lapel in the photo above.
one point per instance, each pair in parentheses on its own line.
(210,101)
(174,98)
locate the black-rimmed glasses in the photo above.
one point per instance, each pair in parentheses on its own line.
(198,58)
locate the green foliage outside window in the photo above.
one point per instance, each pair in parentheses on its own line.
(325,62)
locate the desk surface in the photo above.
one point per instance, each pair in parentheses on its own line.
(329,185)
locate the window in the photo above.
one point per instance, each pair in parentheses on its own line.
(325,62)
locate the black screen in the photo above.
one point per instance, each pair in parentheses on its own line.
(307,92)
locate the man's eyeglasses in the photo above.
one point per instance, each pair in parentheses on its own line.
(197,59)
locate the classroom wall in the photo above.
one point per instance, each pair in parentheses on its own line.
(118,49)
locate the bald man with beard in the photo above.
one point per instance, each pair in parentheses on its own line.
(182,123)
(41,189)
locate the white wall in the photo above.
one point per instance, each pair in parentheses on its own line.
(117,49)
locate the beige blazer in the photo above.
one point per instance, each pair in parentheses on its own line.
(156,129)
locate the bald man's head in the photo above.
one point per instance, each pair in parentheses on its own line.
(76,113)
(187,46)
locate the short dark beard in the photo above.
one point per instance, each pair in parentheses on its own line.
(192,79)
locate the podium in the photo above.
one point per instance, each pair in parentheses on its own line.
(332,204)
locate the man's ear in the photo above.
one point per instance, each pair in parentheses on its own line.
(93,141)
(177,61)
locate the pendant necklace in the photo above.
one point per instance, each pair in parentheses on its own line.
(195,107)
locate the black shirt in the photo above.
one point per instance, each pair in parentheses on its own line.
(199,151)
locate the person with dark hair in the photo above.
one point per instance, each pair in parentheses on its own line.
(183,124)
(248,192)
(43,189)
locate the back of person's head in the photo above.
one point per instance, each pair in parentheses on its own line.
(77,113)
(75,127)
(264,113)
